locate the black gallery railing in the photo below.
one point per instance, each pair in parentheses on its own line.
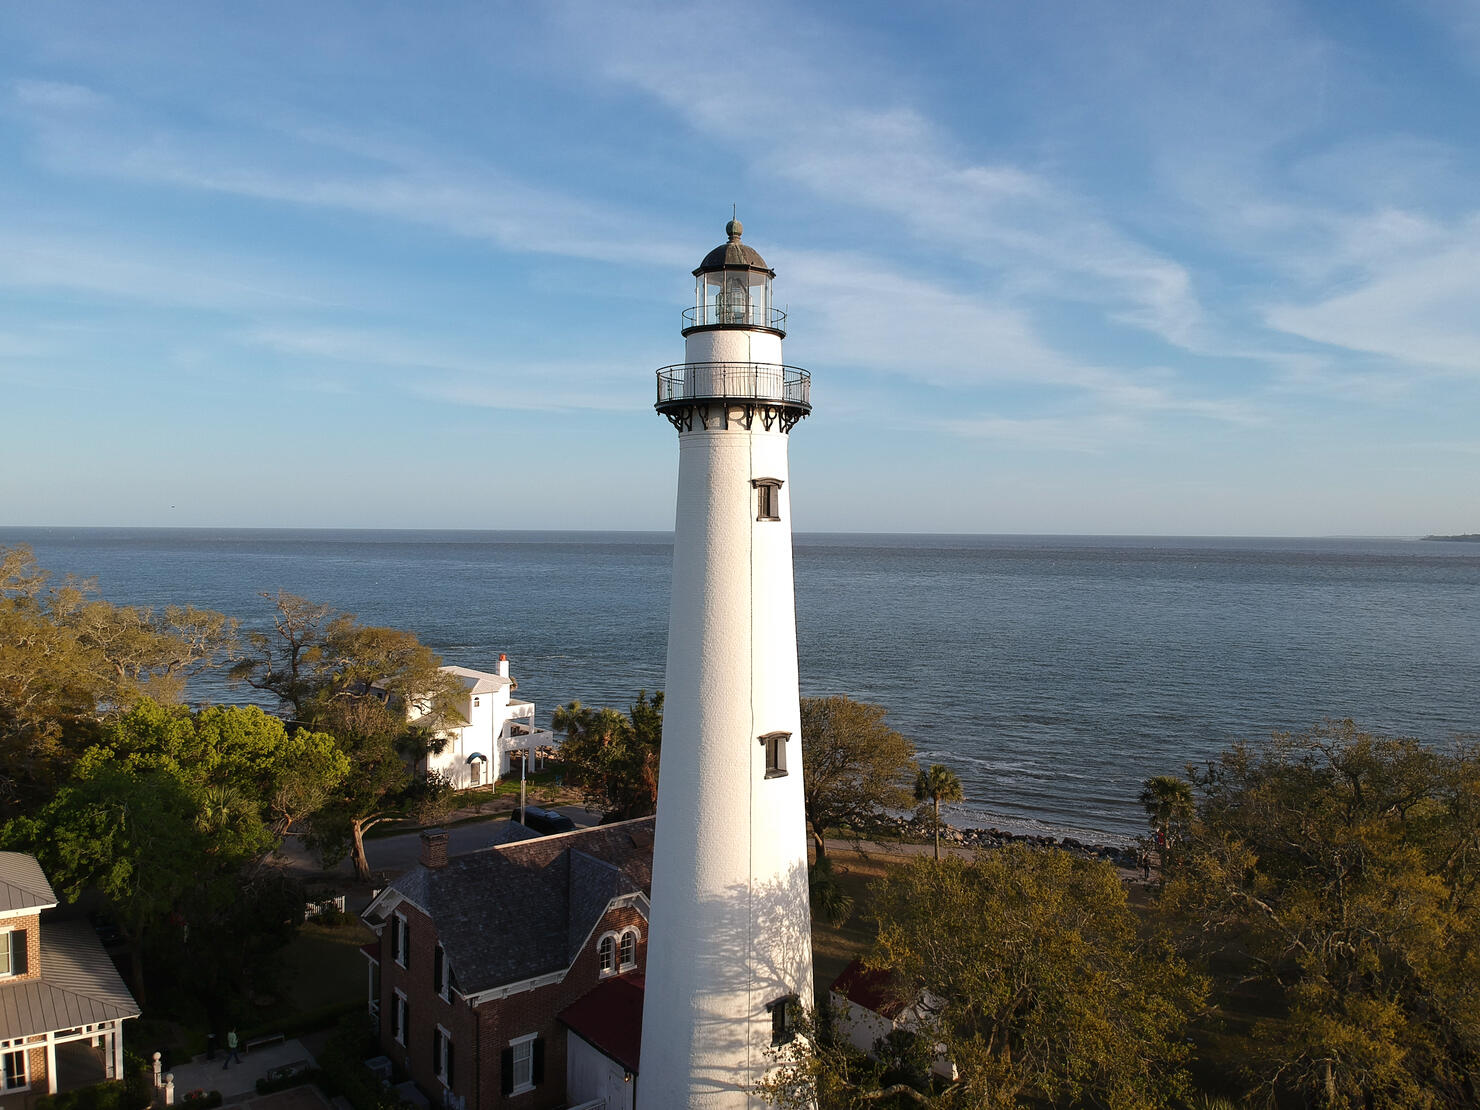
(740,381)
(744,315)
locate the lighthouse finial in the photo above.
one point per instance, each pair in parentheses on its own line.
(734,228)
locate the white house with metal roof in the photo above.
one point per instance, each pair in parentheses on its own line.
(62,1003)
(477,753)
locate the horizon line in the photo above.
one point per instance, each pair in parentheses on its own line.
(669,532)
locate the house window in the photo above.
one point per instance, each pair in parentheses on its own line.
(475,703)
(440,978)
(783,1020)
(400,1018)
(606,949)
(523,1064)
(12,953)
(442,1058)
(629,949)
(400,940)
(775,744)
(767,498)
(13,1064)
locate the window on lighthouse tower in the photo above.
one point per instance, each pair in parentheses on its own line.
(775,743)
(767,498)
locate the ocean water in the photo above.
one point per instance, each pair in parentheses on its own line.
(1052,673)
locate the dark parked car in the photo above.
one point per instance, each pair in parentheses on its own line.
(547,820)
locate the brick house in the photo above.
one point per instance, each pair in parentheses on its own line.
(62,1003)
(479,957)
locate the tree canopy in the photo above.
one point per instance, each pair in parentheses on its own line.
(1034,978)
(171,813)
(362,684)
(614,755)
(1342,871)
(1045,986)
(854,765)
(67,657)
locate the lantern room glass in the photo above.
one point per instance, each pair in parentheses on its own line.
(738,298)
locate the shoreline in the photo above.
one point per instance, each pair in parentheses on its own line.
(910,830)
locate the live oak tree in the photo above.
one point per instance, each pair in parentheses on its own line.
(855,767)
(1341,870)
(67,658)
(285,776)
(379,691)
(170,816)
(933,786)
(614,755)
(1034,979)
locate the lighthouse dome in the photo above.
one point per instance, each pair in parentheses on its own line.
(733,254)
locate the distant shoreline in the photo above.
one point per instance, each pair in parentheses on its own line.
(1468,537)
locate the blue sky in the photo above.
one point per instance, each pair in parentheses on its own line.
(1082,267)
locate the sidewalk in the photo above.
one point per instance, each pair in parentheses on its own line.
(239,1080)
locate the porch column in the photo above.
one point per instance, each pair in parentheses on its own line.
(116,1055)
(51,1064)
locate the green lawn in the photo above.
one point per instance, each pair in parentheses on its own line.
(321,973)
(834,947)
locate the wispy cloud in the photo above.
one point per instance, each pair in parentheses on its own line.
(146,273)
(1023,231)
(326,167)
(430,369)
(1417,302)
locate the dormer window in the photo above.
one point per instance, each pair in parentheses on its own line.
(767,498)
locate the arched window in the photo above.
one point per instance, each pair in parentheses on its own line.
(629,949)
(606,949)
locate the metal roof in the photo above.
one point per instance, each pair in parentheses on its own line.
(23,884)
(78,986)
(477,682)
(609,1018)
(733,255)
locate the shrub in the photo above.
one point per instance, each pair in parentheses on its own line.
(111,1094)
(344,1071)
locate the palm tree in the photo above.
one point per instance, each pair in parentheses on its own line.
(1169,807)
(939,784)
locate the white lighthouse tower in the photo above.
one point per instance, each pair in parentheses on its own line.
(730,949)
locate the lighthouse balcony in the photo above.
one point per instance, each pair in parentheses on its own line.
(735,381)
(707,390)
(736,313)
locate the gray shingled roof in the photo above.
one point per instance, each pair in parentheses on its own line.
(23,884)
(517,911)
(78,986)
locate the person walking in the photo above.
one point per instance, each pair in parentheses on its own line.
(231,1053)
